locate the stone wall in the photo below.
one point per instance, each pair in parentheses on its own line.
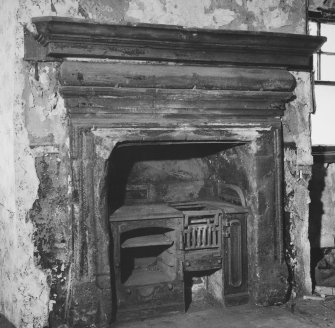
(36,274)
(322,211)
(297,171)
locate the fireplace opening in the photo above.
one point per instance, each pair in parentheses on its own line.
(155,172)
(198,293)
(178,220)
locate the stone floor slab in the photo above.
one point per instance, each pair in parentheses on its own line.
(237,317)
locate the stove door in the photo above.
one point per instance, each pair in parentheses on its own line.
(202,240)
(235,260)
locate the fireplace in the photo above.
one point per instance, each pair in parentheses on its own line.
(176,161)
(183,217)
(175,220)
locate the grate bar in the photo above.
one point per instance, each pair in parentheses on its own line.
(201,236)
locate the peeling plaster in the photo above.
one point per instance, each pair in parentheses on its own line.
(25,290)
(45,114)
(173,12)
(296,122)
(297,208)
(65,8)
(314,4)
(298,162)
(276,15)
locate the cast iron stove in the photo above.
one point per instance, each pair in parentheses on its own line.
(156,245)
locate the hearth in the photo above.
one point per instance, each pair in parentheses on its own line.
(176,161)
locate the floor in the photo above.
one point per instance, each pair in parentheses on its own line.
(300,314)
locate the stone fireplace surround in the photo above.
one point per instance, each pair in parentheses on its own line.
(132,85)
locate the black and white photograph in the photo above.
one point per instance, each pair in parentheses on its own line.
(167,163)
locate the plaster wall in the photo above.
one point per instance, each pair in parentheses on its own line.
(315,4)
(327,229)
(7,184)
(24,289)
(36,273)
(322,211)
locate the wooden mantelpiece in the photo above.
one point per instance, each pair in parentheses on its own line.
(178,86)
(58,38)
(168,75)
(133,88)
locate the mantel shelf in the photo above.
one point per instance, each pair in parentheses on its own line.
(58,38)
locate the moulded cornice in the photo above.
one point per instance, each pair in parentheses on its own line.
(59,37)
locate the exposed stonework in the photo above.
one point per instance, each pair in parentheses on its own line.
(46,124)
(25,296)
(296,122)
(296,208)
(53,230)
(276,15)
(298,161)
